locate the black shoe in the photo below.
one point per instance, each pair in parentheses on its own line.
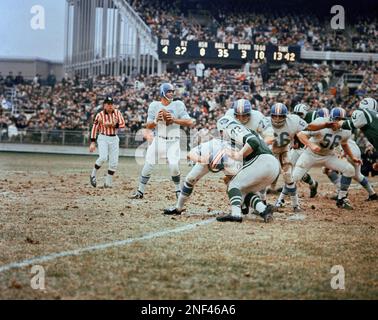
(172,211)
(137,195)
(267,215)
(230,218)
(344,204)
(177,194)
(373,197)
(314,190)
(93,181)
(245,210)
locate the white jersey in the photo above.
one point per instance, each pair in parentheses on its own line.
(214,147)
(257,122)
(328,139)
(284,135)
(176,108)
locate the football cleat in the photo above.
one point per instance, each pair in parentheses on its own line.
(373,197)
(137,195)
(280,204)
(344,204)
(172,211)
(297,209)
(93,181)
(267,215)
(314,190)
(229,218)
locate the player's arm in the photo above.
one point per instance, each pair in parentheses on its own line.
(183,118)
(249,145)
(315,126)
(304,137)
(153,118)
(94,130)
(266,131)
(120,124)
(349,152)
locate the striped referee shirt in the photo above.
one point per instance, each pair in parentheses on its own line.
(115,118)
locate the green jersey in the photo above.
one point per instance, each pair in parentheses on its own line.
(367,122)
(241,135)
(310,116)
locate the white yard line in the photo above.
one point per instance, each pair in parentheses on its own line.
(103,246)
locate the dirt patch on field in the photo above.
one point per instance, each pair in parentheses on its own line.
(48,206)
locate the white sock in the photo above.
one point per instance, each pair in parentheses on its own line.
(94,172)
(236,211)
(109,180)
(181,201)
(295,200)
(260,207)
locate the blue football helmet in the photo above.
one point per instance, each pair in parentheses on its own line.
(337,114)
(278,114)
(242,110)
(322,113)
(164,88)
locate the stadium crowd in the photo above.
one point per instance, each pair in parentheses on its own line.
(249,23)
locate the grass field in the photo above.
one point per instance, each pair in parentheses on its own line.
(48,206)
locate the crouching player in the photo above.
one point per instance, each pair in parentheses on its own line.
(260,169)
(208,157)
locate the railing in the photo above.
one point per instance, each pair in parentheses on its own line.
(62,137)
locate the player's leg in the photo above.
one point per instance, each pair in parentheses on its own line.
(197,172)
(149,164)
(363,181)
(113,146)
(254,176)
(102,146)
(347,172)
(294,156)
(173,156)
(290,186)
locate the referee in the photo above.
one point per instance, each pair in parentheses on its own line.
(105,125)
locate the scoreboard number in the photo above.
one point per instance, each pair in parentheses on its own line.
(180,51)
(223,53)
(244,54)
(202,52)
(289,56)
(259,55)
(165,49)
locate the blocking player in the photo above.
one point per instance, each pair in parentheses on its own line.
(252,119)
(364,118)
(285,127)
(106,124)
(165,117)
(260,169)
(208,157)
(320,151)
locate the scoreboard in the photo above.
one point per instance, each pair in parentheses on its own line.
(173,48)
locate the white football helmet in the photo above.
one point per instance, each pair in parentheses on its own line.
(223,122)
(369,103)
(301,109)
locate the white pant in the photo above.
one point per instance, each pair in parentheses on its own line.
(108,148)
(308,159)
(163,149)
(294,155)
(256,175)
(197,172)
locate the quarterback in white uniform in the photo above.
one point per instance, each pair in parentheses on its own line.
(208,157)
(320,151)
(165,116)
